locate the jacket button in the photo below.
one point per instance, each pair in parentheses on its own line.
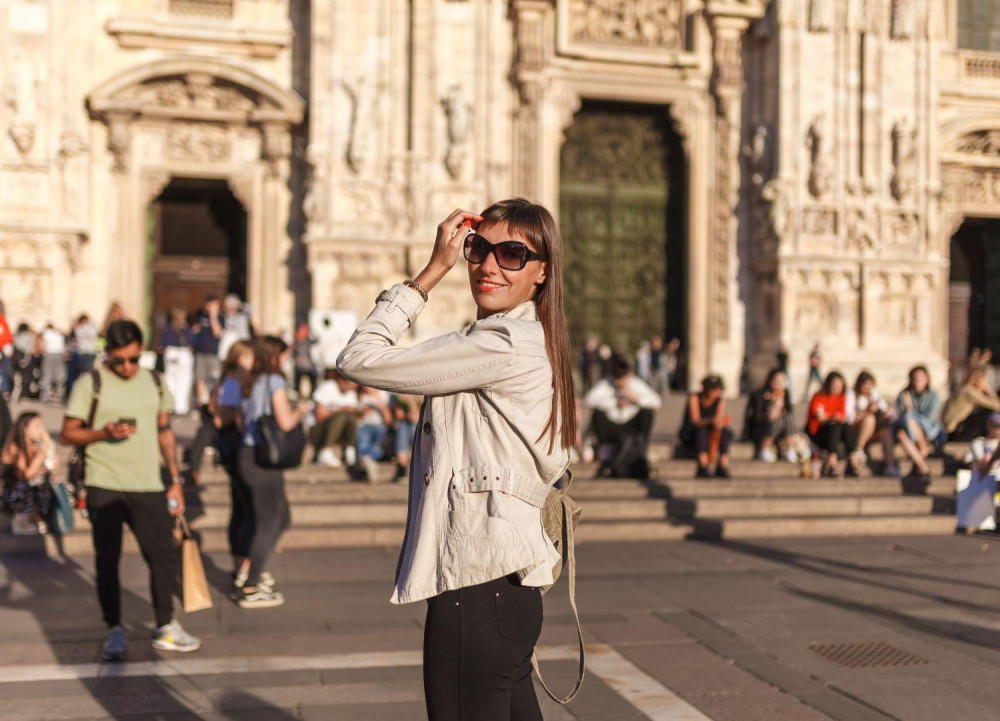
(427,478)
(427,428)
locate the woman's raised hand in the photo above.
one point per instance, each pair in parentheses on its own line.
(447,247)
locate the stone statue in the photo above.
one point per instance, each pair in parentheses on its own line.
(903,157)
(821,15)
(359,143)
(459,112)
(902,19)
(821,169)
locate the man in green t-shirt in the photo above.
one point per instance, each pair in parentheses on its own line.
(122,446)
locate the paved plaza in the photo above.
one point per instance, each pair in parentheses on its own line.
(681,630)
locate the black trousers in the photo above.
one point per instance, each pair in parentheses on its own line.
(478,643)
(614,434)
(269,504)
(972,427)
(830,436)
(241,518)
(206,436)
(147,515)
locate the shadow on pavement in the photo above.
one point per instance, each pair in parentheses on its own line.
(870,576)
(53,591)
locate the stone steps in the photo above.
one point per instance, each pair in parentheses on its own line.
(761,501)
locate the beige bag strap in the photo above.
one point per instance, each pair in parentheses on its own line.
(569,550)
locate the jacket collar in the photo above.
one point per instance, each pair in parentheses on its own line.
(522,311)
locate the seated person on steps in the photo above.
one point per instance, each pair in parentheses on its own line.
(623,407)
(706,429)
(337,411)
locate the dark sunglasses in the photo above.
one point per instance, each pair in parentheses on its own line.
(116,362)
(510,254)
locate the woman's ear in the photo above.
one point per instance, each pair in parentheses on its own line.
(542,276)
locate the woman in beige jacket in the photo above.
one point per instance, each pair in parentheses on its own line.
(494,435)
(966,413)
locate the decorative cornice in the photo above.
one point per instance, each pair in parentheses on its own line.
(164,33)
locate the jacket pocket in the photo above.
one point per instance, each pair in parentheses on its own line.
(479,529)
(519,613)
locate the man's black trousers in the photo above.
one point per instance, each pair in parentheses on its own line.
(147,515)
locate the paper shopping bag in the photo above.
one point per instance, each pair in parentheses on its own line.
(193,587)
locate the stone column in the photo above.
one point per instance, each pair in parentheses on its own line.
(532,27)
(724,343)
(269,262)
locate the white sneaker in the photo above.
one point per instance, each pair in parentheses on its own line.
(371,468)
(328,457)
(791,456)
(767,455)
(173,637)
(350,456)
(588,453)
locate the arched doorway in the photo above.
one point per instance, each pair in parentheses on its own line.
(621,209)
(197,245)
(974,289)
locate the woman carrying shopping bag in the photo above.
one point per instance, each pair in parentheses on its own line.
(494,435)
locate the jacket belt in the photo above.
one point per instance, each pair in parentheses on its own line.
(506,480)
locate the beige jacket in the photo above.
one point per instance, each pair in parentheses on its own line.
(479,474)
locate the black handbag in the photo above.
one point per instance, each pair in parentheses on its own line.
(277,448)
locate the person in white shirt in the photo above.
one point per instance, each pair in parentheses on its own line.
(53,364)
(983,456)
(337,410)
(870,416)
(624,407)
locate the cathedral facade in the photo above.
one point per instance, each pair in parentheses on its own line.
(744,175)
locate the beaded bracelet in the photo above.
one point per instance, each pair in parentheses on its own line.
(417,287)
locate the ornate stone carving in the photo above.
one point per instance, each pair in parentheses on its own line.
(193,91)
(904,137)
(821,167)
(652,23)
(200,142)
(406,193)
(315,203)
(458,112)
(862,226)
(821,15)
(819,222)
(20,97)
(817,314)
(898,315)
(780,213)
(974,186)
(758,155)
(119,141)
(902,19)
(241,187)
(981,142)
(276,147)
(152,185)
(901,230)
(361,130)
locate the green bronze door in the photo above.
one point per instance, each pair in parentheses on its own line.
(621,218)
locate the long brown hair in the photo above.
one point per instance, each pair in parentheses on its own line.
(16,448)
(536,225)
(267,352)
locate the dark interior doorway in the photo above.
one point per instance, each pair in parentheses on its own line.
(197,245)
(621,211)
(974,289)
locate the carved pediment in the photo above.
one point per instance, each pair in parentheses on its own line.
(980,142)
(193,93)
(196,89)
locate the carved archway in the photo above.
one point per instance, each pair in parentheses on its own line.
(200,117)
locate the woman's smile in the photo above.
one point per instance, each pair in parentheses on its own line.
(488,286)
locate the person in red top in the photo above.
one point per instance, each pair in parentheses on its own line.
(828,427)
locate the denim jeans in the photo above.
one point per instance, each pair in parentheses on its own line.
(369,441)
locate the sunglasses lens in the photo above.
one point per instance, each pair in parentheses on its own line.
(476,248)
(511,255)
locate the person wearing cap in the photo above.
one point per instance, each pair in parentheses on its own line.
(207,331)
(236,323)
(983,456)
(966,413)
(706,429)
(623,406)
